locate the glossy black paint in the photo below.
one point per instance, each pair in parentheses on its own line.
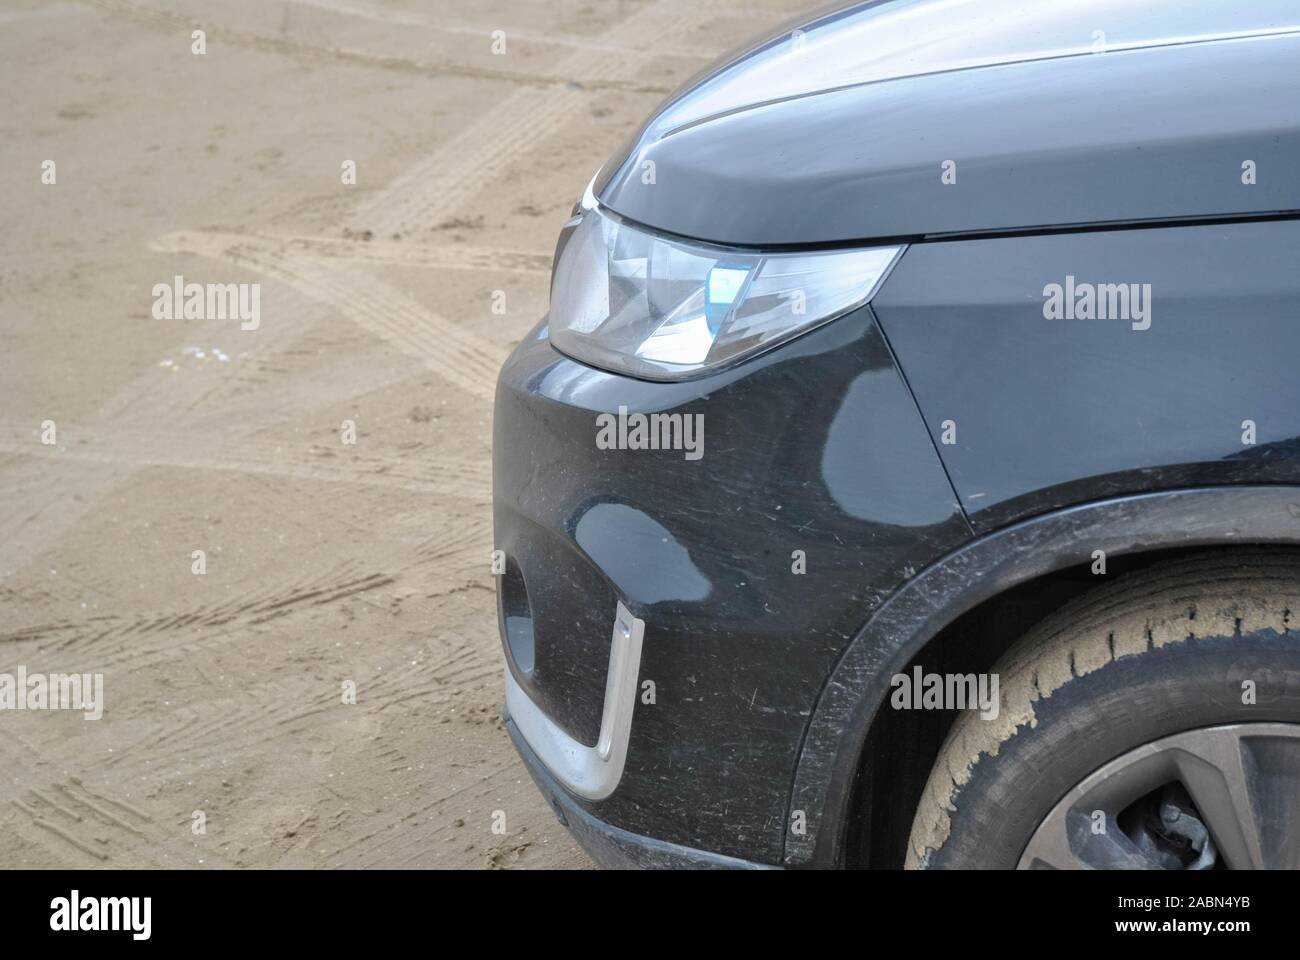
(1071,436)
(1041,136)
(1053,412)
(816,447)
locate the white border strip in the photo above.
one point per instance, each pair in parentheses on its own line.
(589,772)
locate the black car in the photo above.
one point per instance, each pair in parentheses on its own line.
(908,469)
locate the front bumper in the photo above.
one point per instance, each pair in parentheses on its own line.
(611,847)
(751,568)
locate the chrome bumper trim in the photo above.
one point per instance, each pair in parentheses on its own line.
(589,772)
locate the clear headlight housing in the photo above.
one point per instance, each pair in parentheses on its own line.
(627,300)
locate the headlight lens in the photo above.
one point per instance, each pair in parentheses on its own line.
(633,302)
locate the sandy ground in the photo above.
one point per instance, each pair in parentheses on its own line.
(326,562)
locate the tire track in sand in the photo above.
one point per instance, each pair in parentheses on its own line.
(458,356)
(442,183)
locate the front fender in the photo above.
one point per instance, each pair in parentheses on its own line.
(859,683)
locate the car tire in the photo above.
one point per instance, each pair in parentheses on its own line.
(1203,642)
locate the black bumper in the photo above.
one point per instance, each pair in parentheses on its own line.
(609,846)
(815,448)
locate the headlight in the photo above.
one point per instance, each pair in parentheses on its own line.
(627,300)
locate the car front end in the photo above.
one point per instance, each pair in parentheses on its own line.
(735,488)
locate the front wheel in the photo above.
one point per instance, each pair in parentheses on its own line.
(1153,723)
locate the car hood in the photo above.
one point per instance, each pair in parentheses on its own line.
(919,118)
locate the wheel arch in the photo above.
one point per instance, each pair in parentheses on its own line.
(984,569)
